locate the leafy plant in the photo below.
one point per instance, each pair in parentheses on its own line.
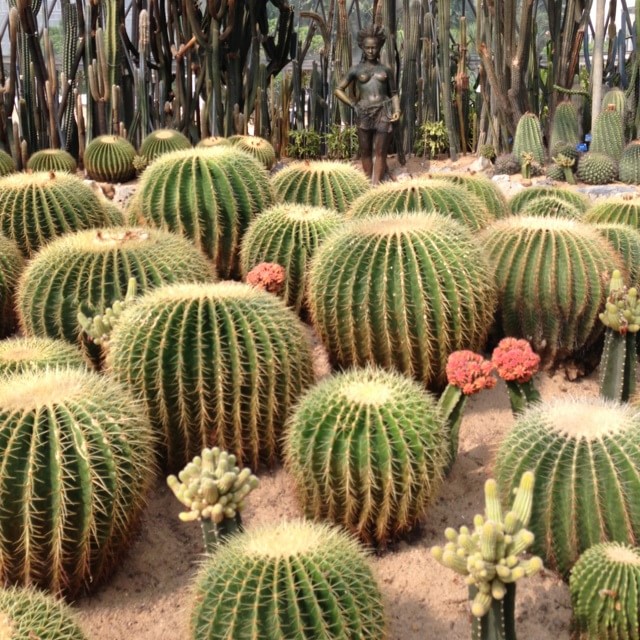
(432,139)
(304,145)
(342,142)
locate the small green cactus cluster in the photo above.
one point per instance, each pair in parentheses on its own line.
(162,141)
(551,206)
(110,159)
(11,266)
(608,134)
(292,580)
(596,168)
(528,138)
(564,127)
(483,188)
(526,196)
(261,149)
(19,355)
(334,185)
(615,211)
(629,169)
(7,164)
(507,164)
(52,160)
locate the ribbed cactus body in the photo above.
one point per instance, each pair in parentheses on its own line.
(227,364)
(550,278)
(423,195)
(483,188)
(334,185)
(615,211)
(629,167)
(163,141)
(605,592)
(626,241)
(37,207)
(531,194)
(551,207)
(528,138)
(261,149)
(564,126)
(90,270)
(77,461)
(615,97)
(288,235)
(367,449)
(608,135)
(7,164)
(208,195)
(52,160)
(596,168)
(20,355)
(402,292)
(110,159)
(29,614)
(585,454)
(292,580)
(11,266)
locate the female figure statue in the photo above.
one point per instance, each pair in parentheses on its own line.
(377,105)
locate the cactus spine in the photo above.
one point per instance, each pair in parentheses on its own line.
(528,138)
(11,266)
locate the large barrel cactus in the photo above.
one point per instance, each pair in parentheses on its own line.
(52,160)
(208,195)
(551,279)
(629,167)
(163,141)
(531,194)
(90,270)
(615,211)
(292,580)
(422,195)
(261,149)
(608,134)
(528,138)
(367,449)
(37,207)
(551,207)
(626,241)
(596,168)
(334,185)
(402,292)
(11,266)
(77,461)
(483,188)
(19,355)
(585,454)
(110,159)
(564,126)
(228,362)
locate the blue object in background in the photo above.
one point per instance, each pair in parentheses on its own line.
(582,147)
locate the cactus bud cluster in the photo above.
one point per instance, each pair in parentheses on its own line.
(622,310)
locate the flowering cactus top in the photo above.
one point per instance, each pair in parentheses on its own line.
(268,276)
(515,360)
(470,372)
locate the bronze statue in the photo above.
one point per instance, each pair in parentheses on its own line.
(377,105)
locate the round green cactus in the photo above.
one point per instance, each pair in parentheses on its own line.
(530,194)
(424,195)
(402,292)
(556,172)
(213,141)
(7,164)
(292,580)
(227,364)
(90,270)
(483,188)
(605,592)
(77,456)
(261,149)
(19,355)
(367,449)
(52,160)
(617,210)
(37,207)
(334,185)
(608,134)
(29,614)
(564,126)
(11,266)
(629,169)
(163,141)
(208,195)
(615,96)
(596,168)
(566,149)
(110,159)
(507,164)
(528,138)
(288,235)
(550,278)
(585,454)
(551,206)
(626,241)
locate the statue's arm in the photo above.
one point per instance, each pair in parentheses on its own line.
(341,90)
(393,94)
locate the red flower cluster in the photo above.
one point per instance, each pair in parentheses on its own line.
(515,360)
(469,371)
(268,276)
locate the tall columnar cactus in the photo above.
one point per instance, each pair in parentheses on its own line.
(77,456)
(608,135)
(626,241)
(90,270)
(11,266)
(629,167)
(261,149)
(367,449)
(291,580)
(402,292)
(584,453)
(37,207)
(549,273)
(19,355)
(551,207)
(207,195)
(27,614)
(423,195)
(52,160)
(334,185)
(564,126)
(163,141)
(528,138)
(7,164)
(110,159)
(228,363)
(483,188)
(596,168)
(616,97)
(605,592)
(288,235)
(615,211)
(531,194)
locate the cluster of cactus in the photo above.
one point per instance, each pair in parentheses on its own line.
(213,489)
(483,188)
(261,149)
(629,166)
(11,265)
(20,355)
(607,136)
(507,164)
(334,185)
(564,126)
(340,444)
(615,211)
(52,160)
(162,141)
(528,138)
(320,586)
(596,168)
(110,159)
(531,194)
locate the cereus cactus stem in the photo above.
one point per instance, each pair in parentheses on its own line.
(489,558)
(213,488)
(621,318)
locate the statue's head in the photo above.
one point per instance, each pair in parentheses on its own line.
(373,31)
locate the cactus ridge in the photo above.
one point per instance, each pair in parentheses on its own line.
(615,211)
(596,168)
(551,206)
(7,164)
(585,453)
(257,147)
(608,134)
(402,292)
(110,159)
(216,364)
(423,195)
(91,269)
(528,138)
(629,168)
(76,464)
(564,126)
(163,141)
(482,187)
(207,195)
(52,160)
(367,449)
(293,580)
(524,197)
(626,241)
(20,355)
(548,273)
(288,235)
(11,266)
(334,185)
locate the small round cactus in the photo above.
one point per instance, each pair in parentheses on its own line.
(7,164)
(615,211)
(483,188)
(52,160)
(526,196)
(163,141)
(11,266)
(367,449)
(629,169)
(596,168)
(551,207)
(77,455)
(110,159)
(292,580)
(506,164)
(334,185)
(19,355)
(261,149)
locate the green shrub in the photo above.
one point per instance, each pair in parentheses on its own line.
(432,139)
